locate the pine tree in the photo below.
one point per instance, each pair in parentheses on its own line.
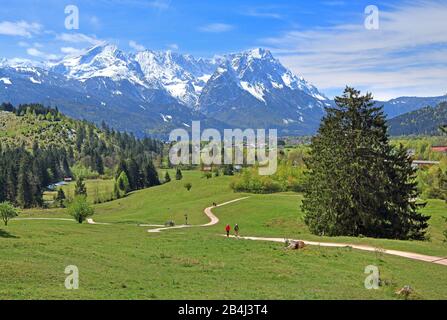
(24,191)
(60,198)
(122,167)
(36,184)
(150,176)
(167,177)
(80,188)
(11,184)
(134,175)
(358,184)
(99,164)
(2,187)
(178,174)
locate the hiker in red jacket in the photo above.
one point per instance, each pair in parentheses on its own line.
(228,229)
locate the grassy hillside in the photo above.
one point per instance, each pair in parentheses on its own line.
(425,121)
(124,261)
(16,130)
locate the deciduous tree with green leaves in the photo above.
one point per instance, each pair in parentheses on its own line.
(7,212)
(358,184)
(79,209)
(123,183)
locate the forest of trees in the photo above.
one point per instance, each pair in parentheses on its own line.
(26,172)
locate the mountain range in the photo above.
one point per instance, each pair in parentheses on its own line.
(152,93)
(425,121)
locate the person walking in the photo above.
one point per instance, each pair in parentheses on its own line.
(236,230)
(228,229)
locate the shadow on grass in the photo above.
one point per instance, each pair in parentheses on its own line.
(6,234)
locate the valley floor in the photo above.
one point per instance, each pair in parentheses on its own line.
(123,261)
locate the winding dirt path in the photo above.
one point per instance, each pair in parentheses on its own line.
(215,220)
(89,221)
(208,211)
(409,255)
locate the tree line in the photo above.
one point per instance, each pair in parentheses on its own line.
(25,172)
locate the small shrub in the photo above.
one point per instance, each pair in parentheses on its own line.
(79,209)
(7,212)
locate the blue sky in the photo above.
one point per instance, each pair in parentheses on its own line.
(324,41)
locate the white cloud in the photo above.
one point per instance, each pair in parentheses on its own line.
(78,38)
(23,44)
(406,56)
(262,13)
(34,52)
(136,46)
(173,46)
(217,28)
(94,21)
(39,54)
(160,4)
(19,28)
(70,51)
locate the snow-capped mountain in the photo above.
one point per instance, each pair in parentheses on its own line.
(102,61)
(182,76)
(152,92)
(261,92)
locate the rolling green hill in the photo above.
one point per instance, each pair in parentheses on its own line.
(122,260)
(425,121)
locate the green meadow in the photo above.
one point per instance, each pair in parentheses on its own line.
(123,261)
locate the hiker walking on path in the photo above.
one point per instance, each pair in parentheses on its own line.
(236,230)
(228,229)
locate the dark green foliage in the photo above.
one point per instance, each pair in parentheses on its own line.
(7,107)
(228,170)
(178,174)
(150,176)
(134,174)
(140,173)
(80,188)
(23,175)
(167,177)
(24,194)
(358,184)
(188,186)
(60,198)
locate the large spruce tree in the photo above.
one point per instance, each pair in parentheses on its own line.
(358,184)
